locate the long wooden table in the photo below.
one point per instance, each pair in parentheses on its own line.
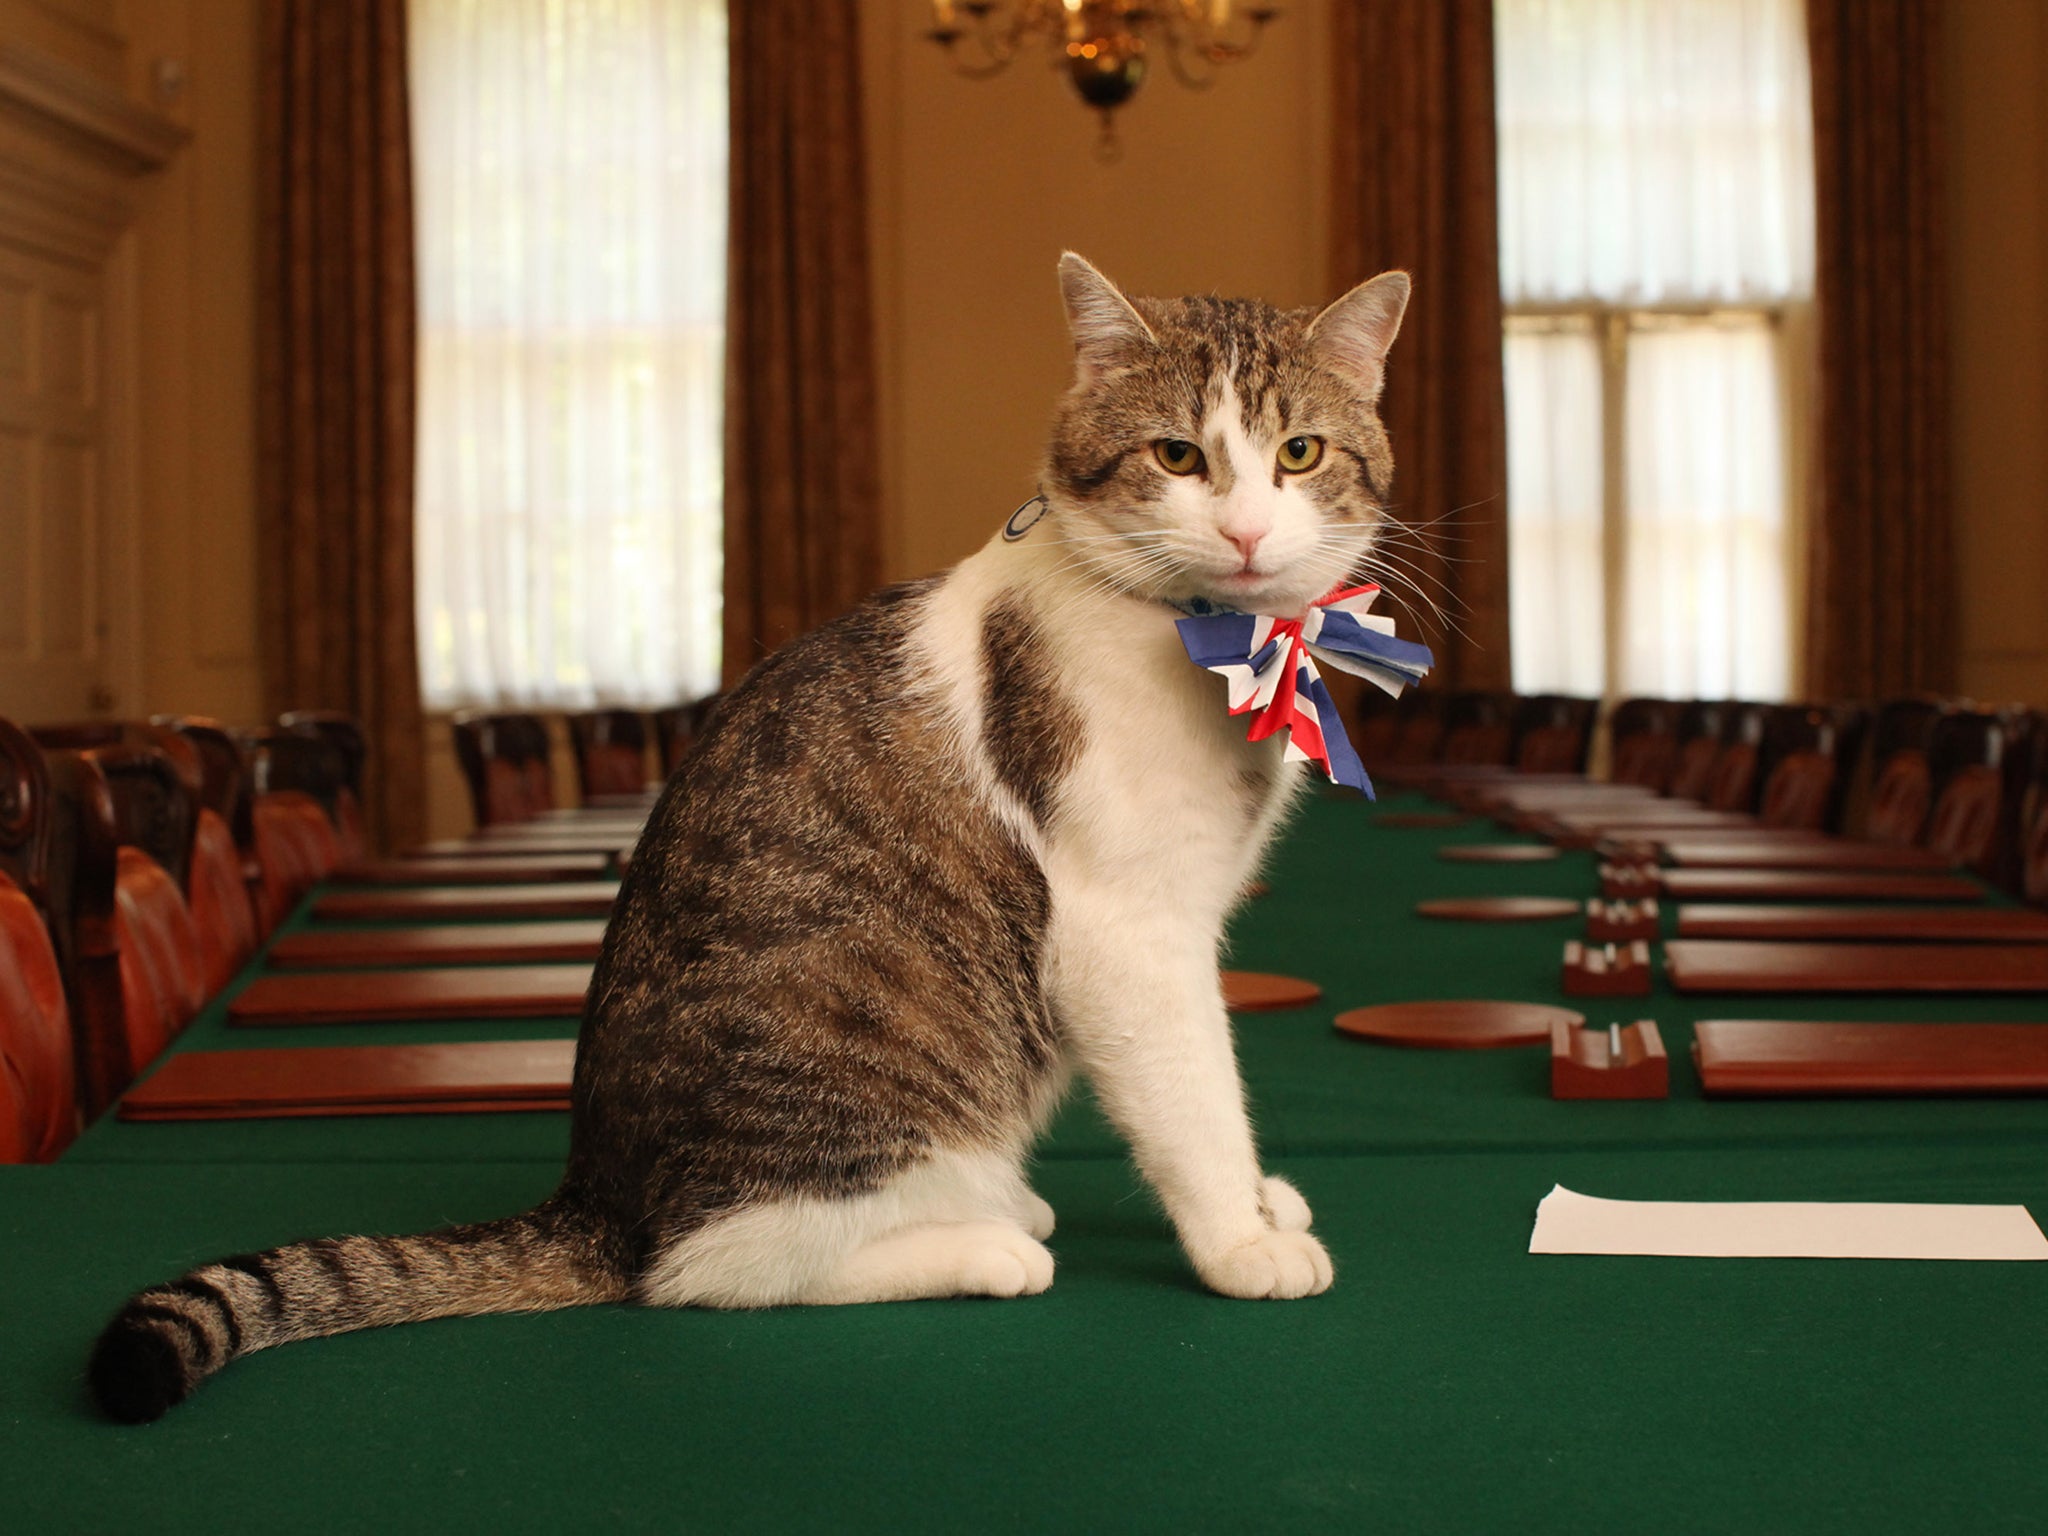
(1448,1382)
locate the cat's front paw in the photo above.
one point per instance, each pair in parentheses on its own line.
(1038,1216)
(1273,1266)
(1285,1210)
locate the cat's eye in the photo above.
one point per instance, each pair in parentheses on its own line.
(1299,455)
(1177,456)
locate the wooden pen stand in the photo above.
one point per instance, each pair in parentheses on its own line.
(1621,922)
(1622,1061)
(1629,882)
(1607,970)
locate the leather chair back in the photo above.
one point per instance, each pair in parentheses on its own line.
(39,1103)
(1799,791)
(70,877)
(506,761)
(1552,733)
(611,752)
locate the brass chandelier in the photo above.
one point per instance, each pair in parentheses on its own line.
(1101,45)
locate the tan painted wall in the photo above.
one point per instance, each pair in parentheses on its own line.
(977,188)
(1997,79)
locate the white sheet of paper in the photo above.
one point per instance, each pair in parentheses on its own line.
(1568,1222)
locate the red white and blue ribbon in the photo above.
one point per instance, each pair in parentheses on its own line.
(1270,665)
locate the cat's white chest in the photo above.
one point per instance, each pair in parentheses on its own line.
(1166,796)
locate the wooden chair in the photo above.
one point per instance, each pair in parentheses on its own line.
(39,1100)
(1420,732)
(678,726)
(1477,730)
(226,877)
(1980,761)
(611,752)
(296,781)
(344,735)
(1375,726)
(152,780)
(70,873)
(1700,728)
(2032,880)
(1551,733)
(1901,792)
(1807,750)
(1643,737)
(507,762)
(1733,783)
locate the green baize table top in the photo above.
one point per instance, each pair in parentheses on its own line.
(1449,1381)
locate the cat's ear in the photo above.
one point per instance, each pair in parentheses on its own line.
(1108,332)
(1353,334)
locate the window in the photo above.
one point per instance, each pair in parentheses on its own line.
(1656,235)
(569,168)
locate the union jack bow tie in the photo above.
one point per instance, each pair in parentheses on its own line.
(1270,665)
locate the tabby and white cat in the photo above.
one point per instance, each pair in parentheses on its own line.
(925,863)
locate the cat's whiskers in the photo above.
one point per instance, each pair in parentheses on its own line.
(1404,554)
(1392,582)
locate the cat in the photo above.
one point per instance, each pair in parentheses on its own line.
(925,863)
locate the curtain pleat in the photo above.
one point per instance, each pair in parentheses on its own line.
(1881,607)
(802,515)
(336,370)
(1413,156)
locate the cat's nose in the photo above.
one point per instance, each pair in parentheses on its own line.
(1246,542)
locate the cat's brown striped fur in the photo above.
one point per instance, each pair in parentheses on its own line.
(840,991)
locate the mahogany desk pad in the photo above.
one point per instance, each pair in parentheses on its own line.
(1823,853)
(1497,909)
(568,898)
(364,997)
(1676,816)
(449,944)
(1766,1056)
(476,1075)
(603,845)
(577,824)
(1813,885)
(1421,821)
(1954,925)
(465,871)
(545,992)
(1740,965)
(1497,853)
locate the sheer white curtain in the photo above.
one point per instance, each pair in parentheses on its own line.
(1654,151)
(1656,180)
(1557,614)
(1705,564)
(570,177)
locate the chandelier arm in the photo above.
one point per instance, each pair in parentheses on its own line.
(999,46)
(1177,50)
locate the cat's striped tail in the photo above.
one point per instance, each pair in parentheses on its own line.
(170,1338)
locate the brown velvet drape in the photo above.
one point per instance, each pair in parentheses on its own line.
(1880,600)
(1413,157)
(802,515)
(336,385)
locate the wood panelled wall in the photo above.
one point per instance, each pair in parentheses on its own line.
(164,566)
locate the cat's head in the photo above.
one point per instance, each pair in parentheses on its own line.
(1221,448)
